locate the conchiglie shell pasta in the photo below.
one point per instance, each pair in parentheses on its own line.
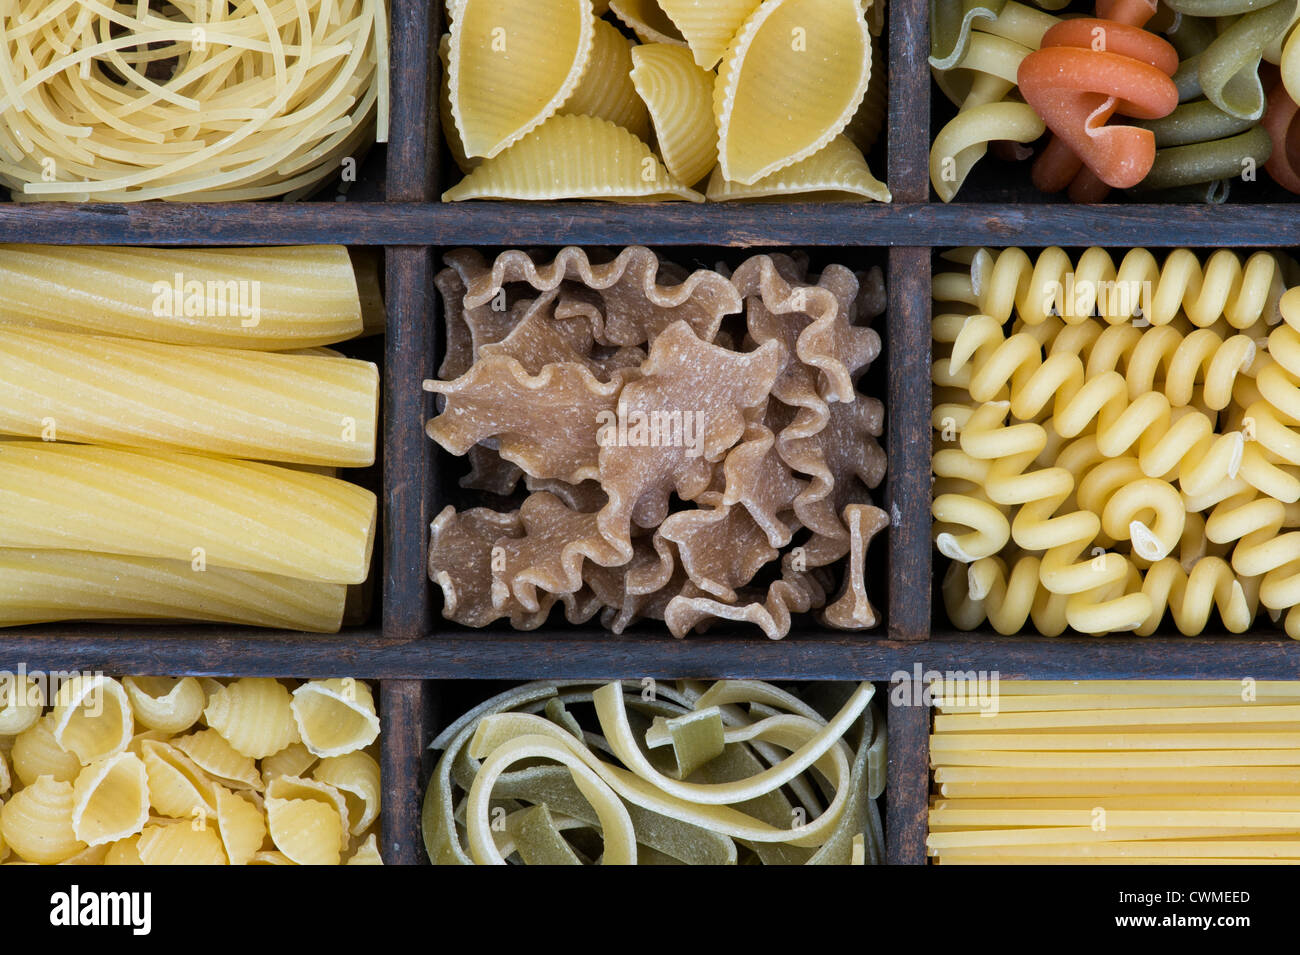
(271,858)
(92,717)
(306,831)
(837,172)
(6,780)
(180,845)
(789,84)
(125,852)
(164,703)
(111,800)
(241,825)
(335,717)
(294,760)
(708,25)
(37,753)
(21,703)
(679,96)
(648,21)
(366,854)
(37,822)
(177,788)
(449,131)
(513,63)
(574,157)
(216,757)
(356,776)
(606,90)
(254,715)
(92,855)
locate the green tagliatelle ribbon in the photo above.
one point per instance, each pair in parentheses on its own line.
(740,772)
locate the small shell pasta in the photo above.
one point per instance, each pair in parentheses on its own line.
(306,831)
(167,705)
(177,788)
(294,760)
(158,798)
(37,822)
(366,854)
(180,844)
(254,716)
(21,704)
(335,717)
(241,825)
(92,717)
(216,757)
(356,776)
(648,21)
(37,753)
(111,799)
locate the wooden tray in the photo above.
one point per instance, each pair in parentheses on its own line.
(407,647)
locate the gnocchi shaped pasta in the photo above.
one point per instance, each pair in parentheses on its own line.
(790,83)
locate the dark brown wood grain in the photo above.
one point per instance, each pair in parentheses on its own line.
(909,100)
(907,792)
(908,443)
(405,707)
(412,153)
(407,457)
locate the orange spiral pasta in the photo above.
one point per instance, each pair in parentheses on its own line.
(1087,71)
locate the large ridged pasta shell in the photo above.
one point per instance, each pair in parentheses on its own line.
(837,172)
(513,63)
(648,21)
(680,98)
(789,84)
(708,25)
(574,157)
(606,90)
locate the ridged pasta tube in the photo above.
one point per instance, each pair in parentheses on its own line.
(208,511)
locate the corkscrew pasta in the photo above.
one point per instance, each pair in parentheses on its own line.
(1115,440)
(1179,101)
(747,99)
(183,771)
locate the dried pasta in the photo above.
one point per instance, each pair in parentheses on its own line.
(240,515)
(1120,452)
(95,390)
(738,788)
(552,100)
(155,797)
(1120,772)
(667,472)
(274,299)
(185,102)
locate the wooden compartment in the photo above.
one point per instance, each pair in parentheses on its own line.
(410,649)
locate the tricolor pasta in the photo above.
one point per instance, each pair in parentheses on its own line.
(1177,101)
(97,781)
(548,100)
(1114,440)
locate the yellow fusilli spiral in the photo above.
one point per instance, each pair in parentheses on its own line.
(1105,460)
